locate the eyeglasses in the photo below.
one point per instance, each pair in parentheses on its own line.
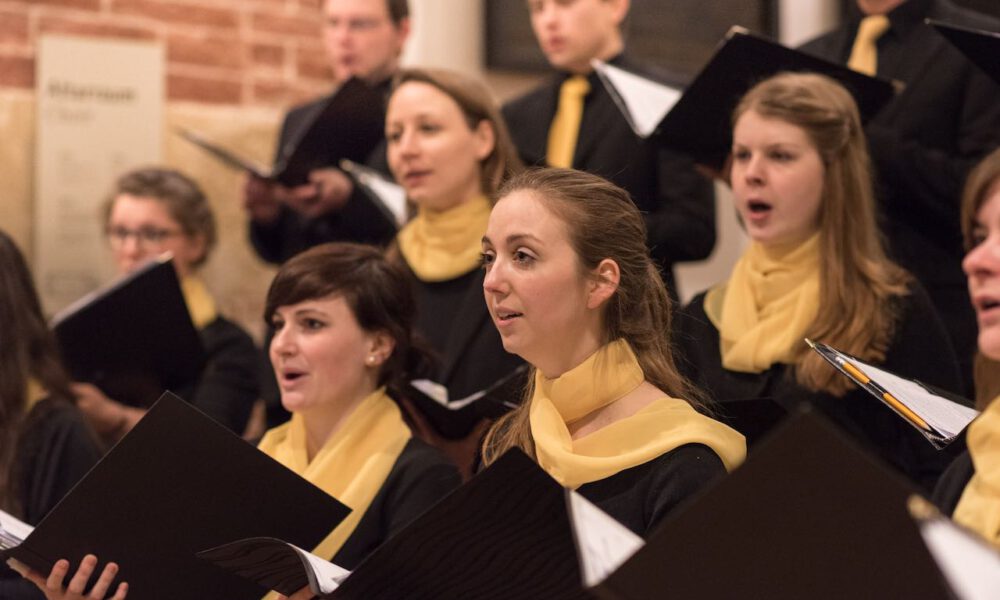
(144,237)
(355,25)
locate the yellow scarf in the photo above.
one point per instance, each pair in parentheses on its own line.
(441,245)
(604,377)
(352,465)
(979,507)
(33,394)
(763,311)
(199,301)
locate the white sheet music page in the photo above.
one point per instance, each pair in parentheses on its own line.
(328,575)
(971,568)
(603,543)
(13,531)
(647,101)
(392,195)
(940,413)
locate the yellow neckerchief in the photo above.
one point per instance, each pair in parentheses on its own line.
(33,394)
(658,428)
(200,303)
(352,465)
(763,310)
(979,507)
(441,245)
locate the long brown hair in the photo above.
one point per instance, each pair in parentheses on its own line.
(378,293)
(603,223)
(858,282)
(978,185)
(478,105)
(27,351)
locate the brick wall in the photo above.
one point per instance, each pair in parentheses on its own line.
(232,52)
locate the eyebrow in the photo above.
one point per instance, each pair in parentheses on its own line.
(513,238)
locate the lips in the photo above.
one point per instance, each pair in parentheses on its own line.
(289,377)
(412,178)
(505,316)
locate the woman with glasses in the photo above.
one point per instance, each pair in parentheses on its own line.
(152,211)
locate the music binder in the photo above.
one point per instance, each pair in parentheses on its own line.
(979,46)
(938,418)
(808,515)
(969,564)
(349,124)
(454,419)
(698,123)
(505,535)
(134,338)
(175,484)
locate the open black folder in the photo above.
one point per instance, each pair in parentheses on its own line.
(698,122)
(348,125)
(981,47)
(133,339)
(505,535)
(808,515)
(178,483)
(455,418)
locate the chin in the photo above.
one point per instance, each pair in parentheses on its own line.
(989,342)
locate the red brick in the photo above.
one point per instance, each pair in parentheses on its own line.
(270,55)
(301,26)
(210,51)
(203,89)
(276,92)
(178,12)
(17,71)
(13,28)
(98,28)
(76,4)
(311,62)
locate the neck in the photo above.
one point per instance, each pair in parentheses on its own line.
(878,7)
(571,353)
(609,50)
(322,422)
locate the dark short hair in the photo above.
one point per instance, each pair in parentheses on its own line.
(398,10)
(179,194)
(378,293)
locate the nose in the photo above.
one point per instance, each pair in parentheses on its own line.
(545,14)
(984,259)
(283,343)
(495,281)
(753,171)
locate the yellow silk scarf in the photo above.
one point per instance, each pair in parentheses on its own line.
(352,465)
(979,507)
(771,298)
(658,428)
(33,393)
(200,303)
(441,245)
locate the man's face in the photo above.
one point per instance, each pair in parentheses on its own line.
(361,39)
(571,33)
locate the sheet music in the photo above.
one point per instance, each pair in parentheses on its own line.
(940,413)
(603,543)
(391,195)
(439,393)
(971,568)
(13,531)
(646,101)
(328,575)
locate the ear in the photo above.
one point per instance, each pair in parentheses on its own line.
(381,346)
(603,283)
(620,10)
(195,249)
(486,139)
(403,32)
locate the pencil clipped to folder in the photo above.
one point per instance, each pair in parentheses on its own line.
(937,418)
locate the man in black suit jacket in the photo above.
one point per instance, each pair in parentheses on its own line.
(924,143)
(677,202)
(364,39)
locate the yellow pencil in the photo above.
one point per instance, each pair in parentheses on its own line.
(899,406)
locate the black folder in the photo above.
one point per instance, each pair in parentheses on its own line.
(133,339)
(455,418)
(699,125)
(176,484)
(980,47)
(808,515)
(505,535)
(348,125)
